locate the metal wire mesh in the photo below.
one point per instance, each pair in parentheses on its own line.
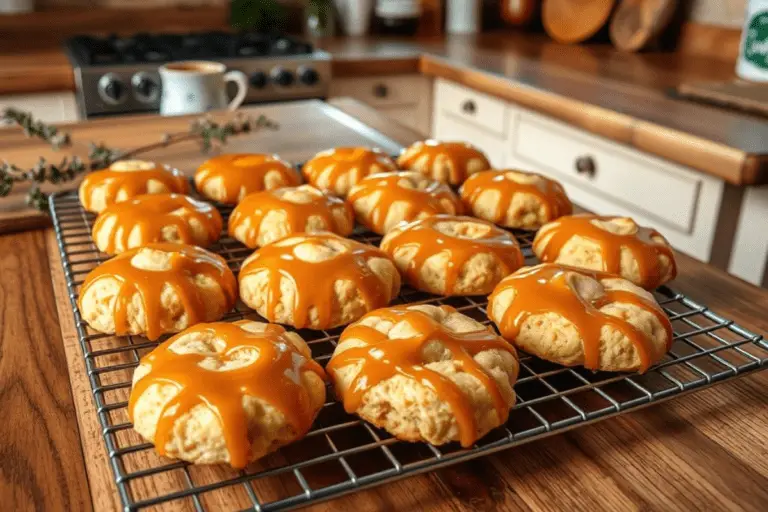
(341,453)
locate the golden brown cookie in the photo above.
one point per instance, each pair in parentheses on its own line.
(425,373)
(226,392)
(575,317)
(448,162)
(337,170)
(229,178)
(617,245)
(448,255)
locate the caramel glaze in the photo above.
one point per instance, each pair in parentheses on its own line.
(186,261)
(151,213)
(244,171)
(550,193)
(545,289)
(429,241)
(314,280)
(456,154)
(297,214)
(421,202)
(354,162)
(382,358)
(130,183)
(273,377)
(642,244)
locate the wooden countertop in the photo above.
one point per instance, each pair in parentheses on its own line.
(702,450)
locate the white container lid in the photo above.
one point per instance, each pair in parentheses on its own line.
(398,8)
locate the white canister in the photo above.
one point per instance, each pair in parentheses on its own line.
(16,6)
(753,58)
(463,16)
(355,16)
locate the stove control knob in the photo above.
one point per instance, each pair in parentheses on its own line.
(145,87)
(308,76)
(282,77)
(258,80)
(112,89)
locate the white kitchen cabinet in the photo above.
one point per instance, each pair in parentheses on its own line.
(404,98)
(52,107)
(749,258)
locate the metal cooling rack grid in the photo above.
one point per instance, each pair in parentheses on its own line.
(343,454)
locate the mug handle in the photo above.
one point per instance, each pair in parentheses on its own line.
(242,88)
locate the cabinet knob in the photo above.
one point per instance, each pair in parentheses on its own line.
(381,91)
(586,166)
(469,107)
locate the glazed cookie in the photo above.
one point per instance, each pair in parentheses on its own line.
(617,245)
(425,373)
(156,218)
(448,255)
(156,289)
(576,317)
(127,179)
(382,201)
(515,199)
(449,162)
(229,178)
(265,217)
(317,280)
(226,393)
(337,170)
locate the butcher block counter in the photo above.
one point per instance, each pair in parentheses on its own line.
(703,450)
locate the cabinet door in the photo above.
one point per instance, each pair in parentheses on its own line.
(448,128)
(749,259)
(57,107)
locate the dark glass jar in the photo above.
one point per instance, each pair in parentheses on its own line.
(397,17)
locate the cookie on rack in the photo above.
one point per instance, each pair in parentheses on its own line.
(382,201)
(157,289)
(229,178)
(617,245)
(337,170)
(425,373)
(450,255)
(127,179)
(317,280)
(265,217)
(226,393)
(515,199)
(576,317)
(448,162)
(156,218)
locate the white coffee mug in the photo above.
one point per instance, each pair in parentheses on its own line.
(192,87)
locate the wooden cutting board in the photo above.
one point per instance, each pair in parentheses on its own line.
(747,96)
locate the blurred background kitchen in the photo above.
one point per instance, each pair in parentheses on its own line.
(655,109)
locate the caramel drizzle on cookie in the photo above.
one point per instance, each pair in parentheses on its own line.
(642,244)
(456,155)
(550,193)
(355,162)
(150,214)
(244,171)
(130,183)
(429,200)
(429,241)
(255,207)
(186,261)
(274,377)
(314,281)
(382,358)
(545,289)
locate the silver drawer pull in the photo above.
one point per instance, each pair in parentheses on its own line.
(469,107)
(586,166)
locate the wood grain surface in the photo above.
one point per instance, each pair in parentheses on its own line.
(702,451)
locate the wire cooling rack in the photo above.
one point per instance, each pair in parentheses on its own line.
(342,454)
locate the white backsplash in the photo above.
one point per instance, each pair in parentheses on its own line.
(729,13)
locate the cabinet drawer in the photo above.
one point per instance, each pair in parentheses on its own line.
(658,189)
(447,127)
(472,107)
(382,91)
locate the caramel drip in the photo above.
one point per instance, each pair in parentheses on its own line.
(186,261)
(297,214)
(357,162)
(549,192)
(545,289)
(645,250)
(274,377)
(429,241)
(130,183)
(456,154)
(244,171)
(382,358)
(314,281)
(421,202)
(151,213)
